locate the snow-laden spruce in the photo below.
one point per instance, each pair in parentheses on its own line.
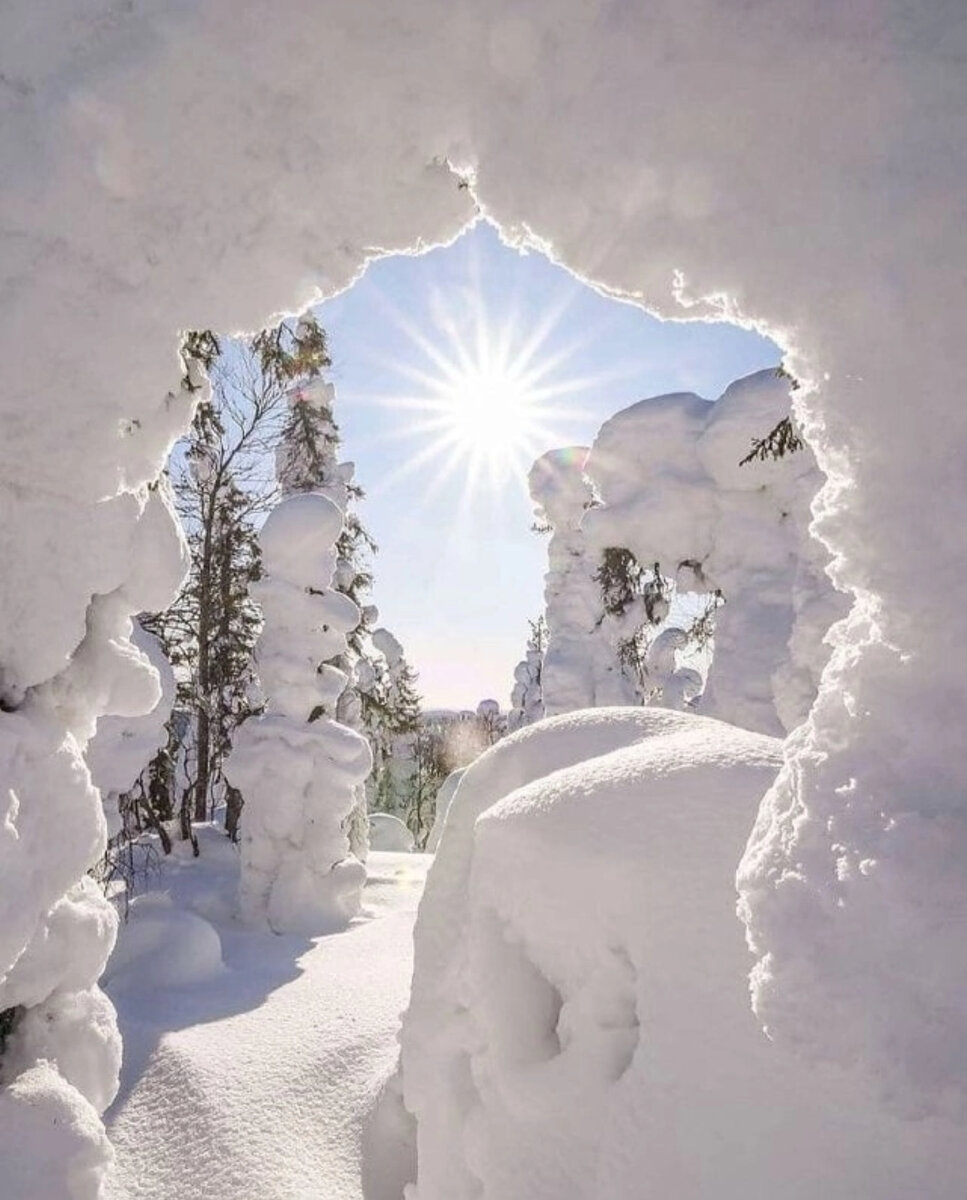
(579,667)
(297,767)
(674,491)
(527,697)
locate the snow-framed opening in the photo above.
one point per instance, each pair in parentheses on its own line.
(790,161)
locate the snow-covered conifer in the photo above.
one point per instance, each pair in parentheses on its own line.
(580,668)
(527,698)
(297,767)
(679,488)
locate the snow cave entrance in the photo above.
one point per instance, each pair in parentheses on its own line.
(544,511)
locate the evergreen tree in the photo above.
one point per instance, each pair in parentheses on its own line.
(221,488)
(527,698)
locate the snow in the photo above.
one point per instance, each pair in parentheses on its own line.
(441,807)
(298,769)
(672,490)
(579,669)
(54,1144)
(795,166)
(264,1079)
(579,1025)
(387,832)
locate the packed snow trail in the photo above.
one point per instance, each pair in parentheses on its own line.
(256,1079)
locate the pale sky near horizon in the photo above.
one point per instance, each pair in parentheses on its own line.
(459,571)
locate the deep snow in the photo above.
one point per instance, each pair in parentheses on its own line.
(255,1072)
(797,165)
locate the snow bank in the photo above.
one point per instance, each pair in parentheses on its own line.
(808,175)
(297,767)
(579,1025)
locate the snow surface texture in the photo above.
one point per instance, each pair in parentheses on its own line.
(297,767)
(256,1078)
(579,1025)
(672,490)
(795,165)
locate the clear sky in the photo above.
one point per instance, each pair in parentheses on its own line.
(459,572)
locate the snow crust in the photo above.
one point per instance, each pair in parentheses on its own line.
(806,174)
(297,767)
(579,1025)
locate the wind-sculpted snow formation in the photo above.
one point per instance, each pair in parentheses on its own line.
(579,1023)
(296,766)
(674,491)
(162,167)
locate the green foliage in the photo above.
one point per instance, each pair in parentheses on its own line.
(778,442)
(624,581)
(289,352)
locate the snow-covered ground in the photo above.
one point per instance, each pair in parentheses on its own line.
(255,1076)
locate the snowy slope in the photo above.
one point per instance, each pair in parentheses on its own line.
(256,1080)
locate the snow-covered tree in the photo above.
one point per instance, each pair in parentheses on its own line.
(580,666)
(678,486)
(297,766)
(307,460)
(391,717)
(527,698)
(221,488)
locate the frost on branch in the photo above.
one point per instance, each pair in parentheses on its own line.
(297,767)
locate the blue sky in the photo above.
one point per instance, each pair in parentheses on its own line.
(459,572)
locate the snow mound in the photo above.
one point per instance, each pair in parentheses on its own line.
(389,833)
(52,1144)
(162,946)
(579,1025)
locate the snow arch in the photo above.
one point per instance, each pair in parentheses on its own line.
(203,163)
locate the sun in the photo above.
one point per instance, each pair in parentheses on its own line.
(485,399)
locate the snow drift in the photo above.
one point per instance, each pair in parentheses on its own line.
(579,1024)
